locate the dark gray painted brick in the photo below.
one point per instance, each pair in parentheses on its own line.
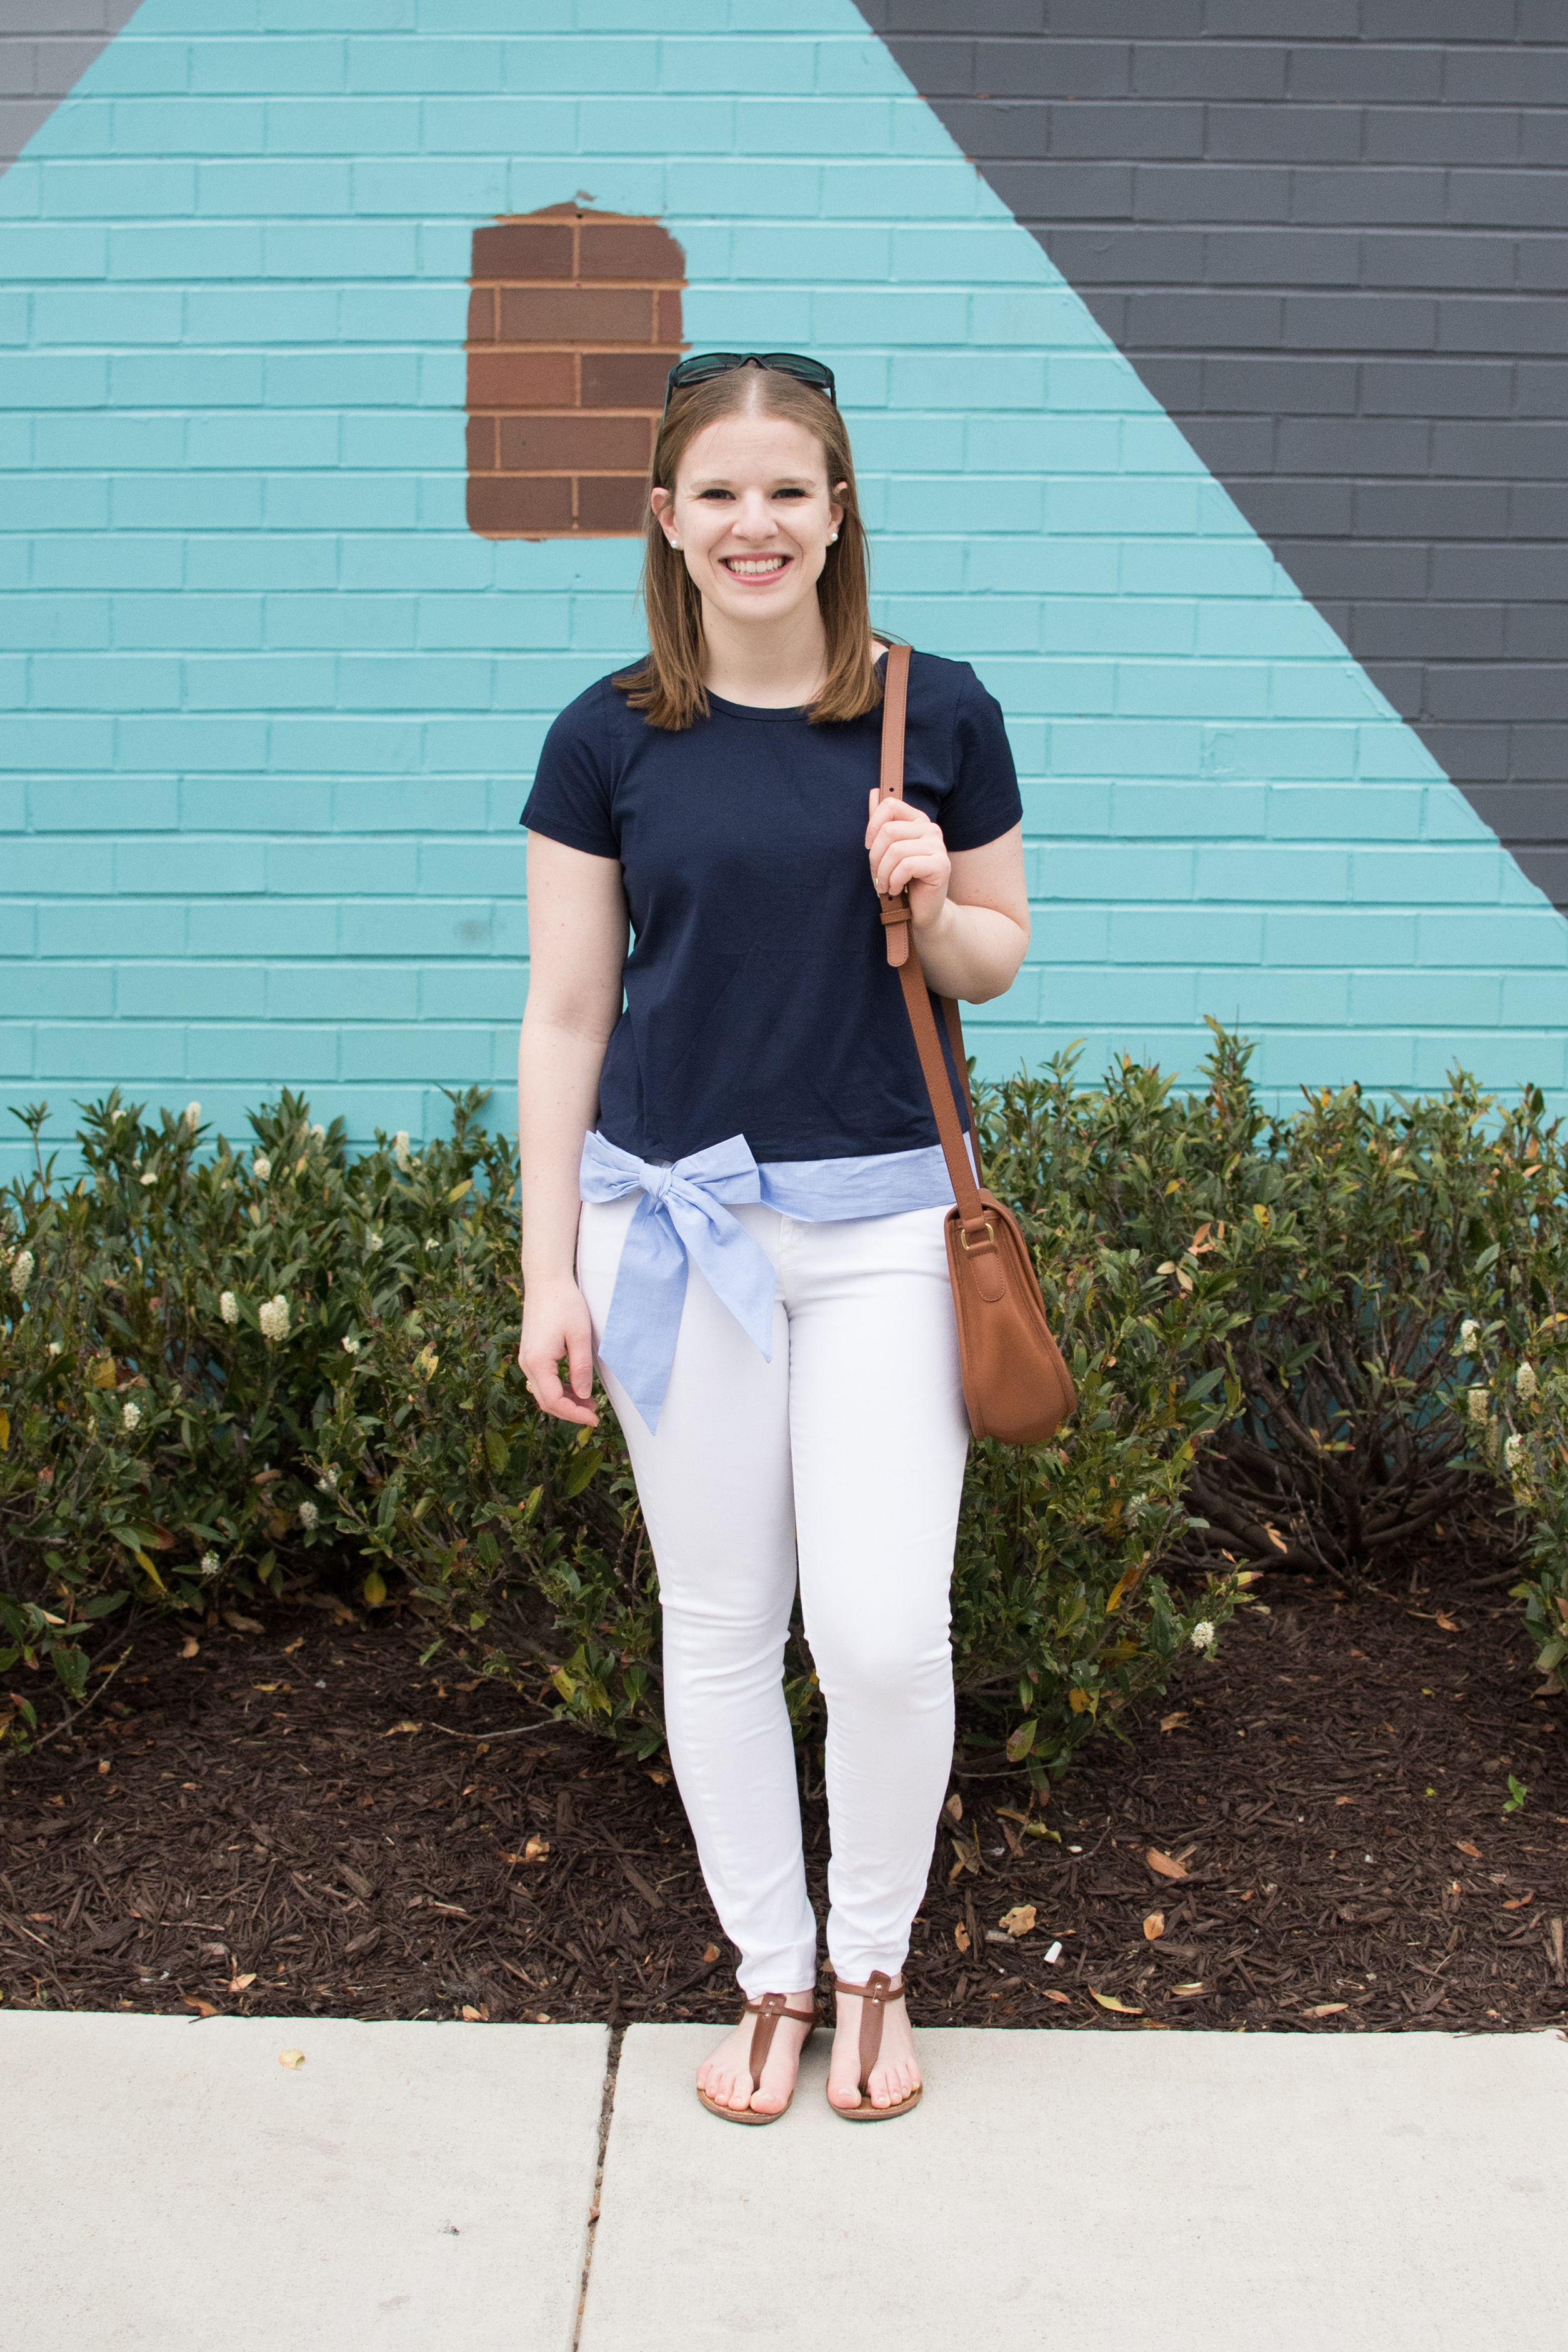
(1054,68)
(1438,258)
(1339,445)
(1542,388)
(1529,574)
(1356,71)
(1143,133)
(1279,387)
(1543,264)
(1039,192)
(1240,192)
(1532,633)
(1436,387)
(1504,76)
(1232,69)
(1426,632)
(1333,572)
(1543,751)
(940,68)
(1440,134)
(1429,20)
(1395,195)
(1350,298)
(1276,257)
(1519,809)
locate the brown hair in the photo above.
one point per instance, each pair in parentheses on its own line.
(667,686)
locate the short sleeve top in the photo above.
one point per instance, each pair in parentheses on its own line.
(758,997)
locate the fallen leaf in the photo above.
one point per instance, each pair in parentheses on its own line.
(264,1686)
(1155,1926)
(508,1857)
(291,2057)
(1019,1920)
(710,1954)
(659,1780)
(1188,1991)
(1010,1813)
(1172,1722)
(238,1984)
(297,1643)
(538,1847)
(1326,2009)
(1344,1801)
(1446,1622)
(189,1647)
(1463,1845)
(394,1727)
(953,1807)
(202,2008)
(239,1624)
(961,1936)
(1064,1997)
(1162,1864)
(474,2016)
(1109,2000)
(1520,1901)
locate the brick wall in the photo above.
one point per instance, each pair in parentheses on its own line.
(574,323)
(271,704)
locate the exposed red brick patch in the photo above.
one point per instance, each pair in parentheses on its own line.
(574,321)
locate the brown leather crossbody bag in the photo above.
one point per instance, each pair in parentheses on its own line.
(1016,1385)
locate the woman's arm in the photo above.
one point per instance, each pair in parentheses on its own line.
(969,910)
(577,949)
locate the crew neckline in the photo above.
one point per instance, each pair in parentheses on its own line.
(765,712)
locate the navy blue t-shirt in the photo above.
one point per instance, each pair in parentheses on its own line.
(760,999)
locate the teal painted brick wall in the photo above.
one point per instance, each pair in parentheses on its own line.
(272,709)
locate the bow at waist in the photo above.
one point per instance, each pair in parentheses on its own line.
(680,1217)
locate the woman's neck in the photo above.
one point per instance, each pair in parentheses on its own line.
(781,667)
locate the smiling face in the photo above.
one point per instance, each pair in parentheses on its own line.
(751,512)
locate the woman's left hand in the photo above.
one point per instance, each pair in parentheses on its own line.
(908,852)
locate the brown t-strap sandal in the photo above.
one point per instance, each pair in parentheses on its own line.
(767,2013)
(875,1996)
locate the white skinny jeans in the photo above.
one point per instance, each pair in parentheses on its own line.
(846,1453)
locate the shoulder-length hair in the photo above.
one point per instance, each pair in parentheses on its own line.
(667,687)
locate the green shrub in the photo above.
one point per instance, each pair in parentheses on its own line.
(225,1374)
(1510,1362)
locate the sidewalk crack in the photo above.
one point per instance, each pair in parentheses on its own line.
(606,2111)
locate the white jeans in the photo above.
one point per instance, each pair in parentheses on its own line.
(846,1452)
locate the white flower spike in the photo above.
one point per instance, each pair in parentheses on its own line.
(1203,1636)
(1525,1381)
(1469,1337)
(21,1273)
(273,1317)
(309,1514)
(229,1307)
(1481,1406)
(261,1167)
(130,1417)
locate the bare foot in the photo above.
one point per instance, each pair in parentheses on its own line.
(726,2073)
(896,2073)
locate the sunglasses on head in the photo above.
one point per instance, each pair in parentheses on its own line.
(704,366)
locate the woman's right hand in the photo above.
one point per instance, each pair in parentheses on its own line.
(555,1324)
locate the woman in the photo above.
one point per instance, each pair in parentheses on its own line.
(746,1164)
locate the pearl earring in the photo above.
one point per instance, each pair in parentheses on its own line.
(675,543)
(832,535)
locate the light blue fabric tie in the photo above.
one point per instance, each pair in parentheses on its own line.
(680,1216)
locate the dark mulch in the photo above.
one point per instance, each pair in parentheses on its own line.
(277,1827)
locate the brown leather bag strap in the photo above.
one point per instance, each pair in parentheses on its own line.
(902,951)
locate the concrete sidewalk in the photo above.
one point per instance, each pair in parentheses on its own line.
(173,2186)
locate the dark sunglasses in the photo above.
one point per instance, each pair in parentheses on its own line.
(703,366)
